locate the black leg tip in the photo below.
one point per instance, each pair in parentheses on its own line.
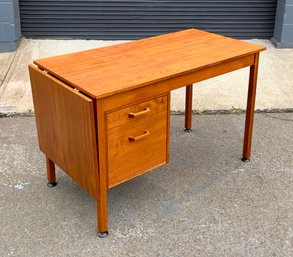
(103,235)
(245,159)
(188,130)
(51,184)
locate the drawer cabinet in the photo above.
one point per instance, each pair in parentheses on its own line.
(97,146)
(138,139)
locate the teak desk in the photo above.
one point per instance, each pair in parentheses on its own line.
(102,115)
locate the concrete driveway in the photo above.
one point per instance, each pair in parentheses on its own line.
(205,202)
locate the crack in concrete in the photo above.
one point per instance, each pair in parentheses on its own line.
(2,83)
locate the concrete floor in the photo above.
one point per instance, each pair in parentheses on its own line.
(205,202)
(226,92)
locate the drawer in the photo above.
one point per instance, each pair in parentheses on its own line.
(138,147)
(137,112)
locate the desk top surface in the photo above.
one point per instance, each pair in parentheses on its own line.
(110,70)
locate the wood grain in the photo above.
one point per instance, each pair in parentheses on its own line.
(102,174)
(165,86)
(130,158)
(66,129)
(144,62)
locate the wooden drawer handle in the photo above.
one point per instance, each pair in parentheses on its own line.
(144,135)
(138,114)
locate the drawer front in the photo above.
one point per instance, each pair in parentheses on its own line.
(136,112)
(135,148)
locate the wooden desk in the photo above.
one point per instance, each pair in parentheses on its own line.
(103,115)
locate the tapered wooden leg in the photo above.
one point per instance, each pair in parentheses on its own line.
(102,214)
(102,186)
(250,109)
(188,108)
(51,174)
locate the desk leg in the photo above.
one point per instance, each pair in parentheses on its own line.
(250,109)
(102,186)
(188,108)
(51,174)
(102,214)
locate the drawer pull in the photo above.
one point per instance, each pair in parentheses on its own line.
(144,135)
(138,114)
